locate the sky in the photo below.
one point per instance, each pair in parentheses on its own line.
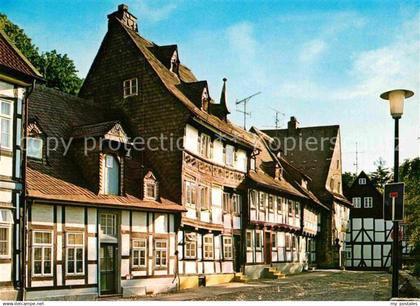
(324,62)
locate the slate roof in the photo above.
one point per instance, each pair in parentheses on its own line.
(12,59)
(59,178)
(173,84)
(96,129)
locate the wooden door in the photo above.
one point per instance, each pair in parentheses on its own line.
(267,247)
(237,253)
(108,268)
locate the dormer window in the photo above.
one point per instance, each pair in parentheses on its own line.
(205,100)
(174,62)
(35,146)
(150,186)
(130,87)
(111,175)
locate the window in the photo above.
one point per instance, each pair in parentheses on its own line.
(237,203)
(151,190)
(273,241)
(279,205)
(297,207)
(357,202)
(332,184)
(253,197)
(4,241)
(270,203)
(139,253)
(35,147)
(111,175)
(258,240)
(205,146)
(208,247)
(253,163)
(288,243)
(368,202)
(248,240)
(108,225)
(263,196)
(161,253)
(190,194)
(5,124)
(229,155)
(42,253)
(130,87)
(294,242)
(204,197)
(227,248)
(190,245)
(75,253)
(226,202)
(362,181)
(290,208)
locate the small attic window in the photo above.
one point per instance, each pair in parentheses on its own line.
(174,63)
(150,186)
(35,146)
(362,181)
(130,87)
(205,100)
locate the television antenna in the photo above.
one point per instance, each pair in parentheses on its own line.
(277,120)
(244,102)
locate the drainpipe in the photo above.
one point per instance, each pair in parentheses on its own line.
(23,195)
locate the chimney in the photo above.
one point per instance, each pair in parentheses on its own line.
(293,124)
(125,17)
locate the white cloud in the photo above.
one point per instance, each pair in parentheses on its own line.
(312,50)
(156,11)
(241,40)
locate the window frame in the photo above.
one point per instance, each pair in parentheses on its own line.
(114,224)
(128,84)
(7,242)
(262,198)
(258,240)
(249,242)
(43,246)
(158,254)
(357,202)
(204,192)
(229,162)
(270,203)
(369,203)
(227,202)
(9,119)
(208,247)
(190,246)
(205,146)
(116,162)
(190,194)
(138,249)
(75,247)
(236,204)
(362,181)
(279,204)
(41,147)
(227,248)
(253,199)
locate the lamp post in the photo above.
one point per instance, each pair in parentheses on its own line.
(396,102)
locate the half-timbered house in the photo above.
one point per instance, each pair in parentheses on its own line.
(204,167)
(316,151)
(96,221)
(282,216)
(16,78)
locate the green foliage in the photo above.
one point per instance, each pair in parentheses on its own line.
(381,176)
(58,70)
(348,178)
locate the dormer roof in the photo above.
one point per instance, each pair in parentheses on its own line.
(111,130)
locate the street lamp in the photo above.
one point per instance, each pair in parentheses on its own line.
(396,102)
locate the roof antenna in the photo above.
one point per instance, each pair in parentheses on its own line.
(357,159)
(245,101)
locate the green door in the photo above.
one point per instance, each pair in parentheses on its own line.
(107,268)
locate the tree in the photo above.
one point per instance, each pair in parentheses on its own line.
(58,70)
(348,178)
(410,175)
(381,175)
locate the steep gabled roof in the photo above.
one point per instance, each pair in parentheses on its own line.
(172,83)
(12,60)
(59,177)
(314,163)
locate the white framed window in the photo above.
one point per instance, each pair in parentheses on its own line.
(208,247)
(205,146)
(130,87)
(227,247)
(279,205)
(5,241)
(75,253)
(253,199)
(226,202)
(249,241)
(258,240)
(236,203)
(190,245)
(368,202)
(273,241)
(35,147)
(252,163)
(42,250)
(190,194)
(290,208)
(357,202)
(288,243)
(111,175)
(139,252)
(161,253)
(109,224)
(297,209)
(229,155)
(261,204)
(270,203)
(6,118)
(362,181)
(204,197)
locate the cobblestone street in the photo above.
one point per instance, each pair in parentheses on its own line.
(325,285)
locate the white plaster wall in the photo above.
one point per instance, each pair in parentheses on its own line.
(139,222)
(241,162)
(75,216)
(218,152)
(42,214)
(191,139)
(5,196)
(6,272)
(6,166)
(161,223)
